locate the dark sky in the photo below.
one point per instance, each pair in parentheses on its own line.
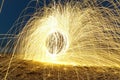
(10,12)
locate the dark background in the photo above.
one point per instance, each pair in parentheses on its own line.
(12,9)
(10,12)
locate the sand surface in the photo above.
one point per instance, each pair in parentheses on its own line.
(30,70)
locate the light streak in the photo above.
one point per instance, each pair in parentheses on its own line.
(70,33)
(1,5)
(73,33)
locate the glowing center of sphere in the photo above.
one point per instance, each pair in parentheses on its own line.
(56,43)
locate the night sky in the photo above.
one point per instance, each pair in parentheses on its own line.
(10,12)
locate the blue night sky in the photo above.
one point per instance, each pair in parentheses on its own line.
(10,12)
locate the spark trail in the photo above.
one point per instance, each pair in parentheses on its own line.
(78,33)
(71,34)
(1,5)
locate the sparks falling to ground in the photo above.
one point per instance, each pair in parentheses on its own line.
(77,33)
(71,34)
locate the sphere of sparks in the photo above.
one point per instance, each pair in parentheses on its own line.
(56,42)
(73,33)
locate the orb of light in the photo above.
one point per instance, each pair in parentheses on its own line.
(56,42)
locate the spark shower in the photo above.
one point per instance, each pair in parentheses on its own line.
(73,33)
(79,33)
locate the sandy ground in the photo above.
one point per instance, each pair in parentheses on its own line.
(30,70)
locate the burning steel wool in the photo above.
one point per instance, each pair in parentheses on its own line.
(73,33)
(56,43)
(78,33)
